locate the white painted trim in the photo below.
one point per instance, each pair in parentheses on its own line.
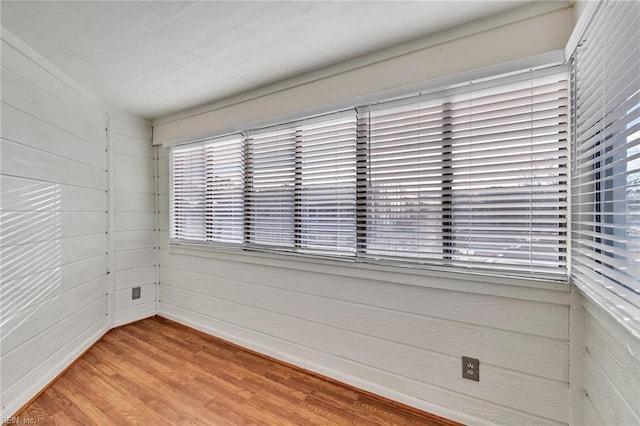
(516,14)
(466,282)
(580,27)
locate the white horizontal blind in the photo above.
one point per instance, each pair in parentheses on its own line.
(474,178)
(208,191)
(327,184)
(301,185)
(270,187)
(606,161)
(188,193)
(405,172)
(509,177)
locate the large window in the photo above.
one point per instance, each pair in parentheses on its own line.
(606,161)
(472,177)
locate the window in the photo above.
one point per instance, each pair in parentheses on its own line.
(472,177)
(207,187)
(301,185)
(606,161)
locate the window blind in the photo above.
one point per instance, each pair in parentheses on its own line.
(606,160)
(472,177)
(208,191)
(188,193)
(301,185)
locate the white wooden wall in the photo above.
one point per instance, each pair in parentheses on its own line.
(611,371)
(53,243)
(134,236)
(397,334)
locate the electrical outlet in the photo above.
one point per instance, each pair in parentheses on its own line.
(470,368)
(135,293)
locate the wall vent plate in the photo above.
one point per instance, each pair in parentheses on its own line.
(135,293)
(470,368)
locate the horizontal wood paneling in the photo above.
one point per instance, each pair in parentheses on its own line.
(31,321)
(131,184)
(30,258)
(23,161)
(612,370)
(53,224)
(400,338)
(542,397)
(128,310)
(43,78)
(35,379)
(131,146)
(529,317)
(134,166)
(132,221)
(123,297)
(134,236)
(133,240)
(135,312)
(547,357)
(135,258)
(21,227)
(17,363)
(472,410)
(28,97)
(33,195)
(135,277)
(133,202)
(28,130)
(33,288)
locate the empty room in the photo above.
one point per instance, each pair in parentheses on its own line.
(320,213)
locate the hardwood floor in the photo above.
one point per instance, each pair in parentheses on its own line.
(158,372)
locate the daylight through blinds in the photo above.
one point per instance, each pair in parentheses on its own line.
(606,160)
(473,177)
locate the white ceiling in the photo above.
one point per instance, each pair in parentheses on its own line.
(154,58)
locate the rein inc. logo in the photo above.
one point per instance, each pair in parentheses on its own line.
(18,421)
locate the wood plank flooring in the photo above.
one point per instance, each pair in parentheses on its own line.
(158,372)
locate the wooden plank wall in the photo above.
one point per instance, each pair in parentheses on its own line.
(54,223)
(611,370)
(397,334)
(134,237)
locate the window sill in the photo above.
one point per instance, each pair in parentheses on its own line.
(543,290)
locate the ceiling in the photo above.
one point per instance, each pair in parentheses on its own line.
(154,58)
